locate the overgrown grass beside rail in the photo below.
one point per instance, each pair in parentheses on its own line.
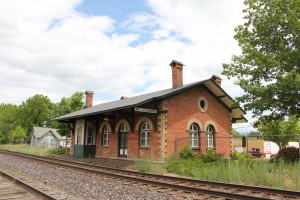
(245,170)
(40,151)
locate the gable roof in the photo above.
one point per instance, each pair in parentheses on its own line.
(215,89)
(40,132)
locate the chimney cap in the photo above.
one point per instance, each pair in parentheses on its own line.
(123,97)
(214,77)
(89,92)
(176,62)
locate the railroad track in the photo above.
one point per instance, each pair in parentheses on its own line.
(16,189)
(171,185)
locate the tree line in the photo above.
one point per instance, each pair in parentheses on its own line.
(268,68)
(16,122)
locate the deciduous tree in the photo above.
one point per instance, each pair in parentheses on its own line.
(8,120)
(36,111)
(17,135)
(268,69)
(65,106)
(279,131)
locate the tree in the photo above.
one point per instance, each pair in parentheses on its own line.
(254,134)
(268,70)
(36,111)
(8,120)
(235,133)
(65,106)
(279,131)
(17,135)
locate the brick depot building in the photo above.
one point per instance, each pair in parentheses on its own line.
(157,124)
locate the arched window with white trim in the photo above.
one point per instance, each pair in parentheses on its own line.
(145,135)
(210,136)
(105,136)
(194,135)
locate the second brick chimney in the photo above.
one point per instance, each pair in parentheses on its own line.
(177,80)
(88,98)
(217,80)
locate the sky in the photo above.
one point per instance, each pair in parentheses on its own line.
(113,47)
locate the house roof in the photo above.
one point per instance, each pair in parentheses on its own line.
(215,89)
(40,132)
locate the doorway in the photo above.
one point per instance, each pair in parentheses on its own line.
(122,147)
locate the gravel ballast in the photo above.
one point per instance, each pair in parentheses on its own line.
(77,185)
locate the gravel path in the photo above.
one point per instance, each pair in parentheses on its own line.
(76,185)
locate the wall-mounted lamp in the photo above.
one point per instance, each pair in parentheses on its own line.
(106,119)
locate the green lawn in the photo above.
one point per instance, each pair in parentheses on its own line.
(24,148)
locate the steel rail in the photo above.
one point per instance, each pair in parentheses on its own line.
(28,187)
(141,178)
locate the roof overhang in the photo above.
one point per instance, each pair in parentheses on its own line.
(237,113)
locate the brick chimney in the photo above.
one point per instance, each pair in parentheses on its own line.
(177,80)
(88,99)
(216,79)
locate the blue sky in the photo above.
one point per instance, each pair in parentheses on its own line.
(120,10)
(115,48)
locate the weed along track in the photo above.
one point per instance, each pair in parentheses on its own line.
(187,187)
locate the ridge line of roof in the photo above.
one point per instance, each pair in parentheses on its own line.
(155,97)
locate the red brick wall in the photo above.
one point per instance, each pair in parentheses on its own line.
(184,107)
(181,109)
(133,149)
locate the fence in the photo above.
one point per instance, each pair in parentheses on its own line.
(226,145)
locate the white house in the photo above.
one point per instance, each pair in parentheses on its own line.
(48,137)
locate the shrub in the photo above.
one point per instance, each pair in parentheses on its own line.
(235,155)
(289,155)
(173,167)
(59,151)
(185,167)
(143,165)
(212,156)
(187,153)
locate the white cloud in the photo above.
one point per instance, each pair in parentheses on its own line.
(49,48)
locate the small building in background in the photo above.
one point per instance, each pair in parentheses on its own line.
(273,148)
(252,143)
(47,137)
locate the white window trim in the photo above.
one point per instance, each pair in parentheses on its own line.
(105,136)
(194,135)
(210,136)
(145,128)
(92,137)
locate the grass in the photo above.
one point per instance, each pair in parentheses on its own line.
(259,172)
(40,151)
(149,166)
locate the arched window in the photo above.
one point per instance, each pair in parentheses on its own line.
(210,136)
(124,128)
(194,135)
(105,136)
(145,135)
